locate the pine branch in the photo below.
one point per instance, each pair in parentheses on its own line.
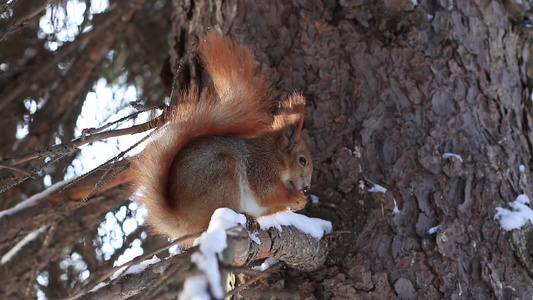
(290,245)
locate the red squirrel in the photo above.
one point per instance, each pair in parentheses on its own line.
(224,147)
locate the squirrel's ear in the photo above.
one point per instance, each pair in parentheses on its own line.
(290,131)
(288,138)
(290,112)
(291,135)
(289,120)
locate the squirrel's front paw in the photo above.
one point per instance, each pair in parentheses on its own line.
(251,223)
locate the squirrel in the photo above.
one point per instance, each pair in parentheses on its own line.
(224,147)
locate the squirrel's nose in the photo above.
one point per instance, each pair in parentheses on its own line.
(306,182)
(299,186)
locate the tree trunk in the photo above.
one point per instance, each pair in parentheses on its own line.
(391,87)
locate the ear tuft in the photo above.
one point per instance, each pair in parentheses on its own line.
(291,112)
(288,121)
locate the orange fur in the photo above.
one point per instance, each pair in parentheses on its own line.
(224,148)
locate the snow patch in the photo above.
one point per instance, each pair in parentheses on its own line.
(194,288)
(254,237)
(142,265)
(349,150)
(314,199)
(13,251)
(174,250)
(448,155)
(433,230)
(518,216)
(223,218)
(315,227)
(395,210)
(98,286)
(269,262)
(522,169)
(377,189)
(211,244)
(524,199)
(32,201)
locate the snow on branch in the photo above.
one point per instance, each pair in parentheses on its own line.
(13,251)
(224,247)
(53,204)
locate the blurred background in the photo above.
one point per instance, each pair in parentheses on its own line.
(66,66)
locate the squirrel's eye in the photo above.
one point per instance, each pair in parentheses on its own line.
(302,161)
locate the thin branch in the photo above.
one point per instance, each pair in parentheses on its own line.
(82,177)
(45,244)
(103,179)
(279,244)
(257,277)
(82,141)
(6,5)
(34,171)
(15,169)
(137,260)
(183,60)
(132,262)
(168,275)
(126,243)
(17,25)
(44,69)
(51,205)
(140,109)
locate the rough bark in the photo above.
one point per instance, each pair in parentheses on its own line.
(391,88)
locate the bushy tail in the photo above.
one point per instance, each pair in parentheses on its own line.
(239,106)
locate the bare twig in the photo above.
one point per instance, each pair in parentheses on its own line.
(110,163)
(15,169)
(82,141)
(81,177)
(5,6)
(34,171)
(43,69)
(258,276)
(282,243)
(170,274)
(103,180)
(132,262)
(183,60)
(17,25)
(140,109)
(137,260)
(45,244)
(57,152)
